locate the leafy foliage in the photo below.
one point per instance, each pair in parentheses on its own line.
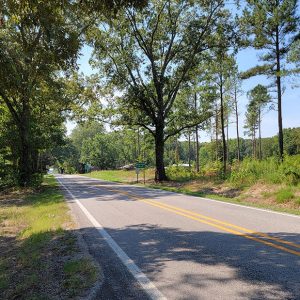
(149,56)
(274,27)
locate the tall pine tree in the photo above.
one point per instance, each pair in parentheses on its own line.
(273,26)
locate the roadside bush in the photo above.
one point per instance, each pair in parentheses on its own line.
(284,195)
(290,168)
(212,169)
(179,173)
(8,177)
(36,180)
(269,170)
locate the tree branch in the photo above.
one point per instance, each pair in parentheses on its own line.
(176,131)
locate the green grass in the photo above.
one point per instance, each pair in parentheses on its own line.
(45,210)
(35,239)
(270,170)
(284,195)
(121,175)
(80,274)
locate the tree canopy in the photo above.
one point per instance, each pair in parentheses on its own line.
(163,71)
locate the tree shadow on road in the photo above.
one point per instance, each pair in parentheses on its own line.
(226,265)
(217,261)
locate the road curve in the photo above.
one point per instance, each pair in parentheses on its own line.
(183,247)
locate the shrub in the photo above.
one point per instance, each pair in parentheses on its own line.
(212,169)
(297,201)
(36,180)
(290,168)
(8,176)
(179,173)
(269,170)
(284,195)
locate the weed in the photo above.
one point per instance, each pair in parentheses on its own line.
(242,175)
(76,271)
(284,195)
(266,194)
(269,170)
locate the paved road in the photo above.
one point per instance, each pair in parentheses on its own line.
(184,247)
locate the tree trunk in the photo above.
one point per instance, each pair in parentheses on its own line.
(25,161)
(197,151)
(237,126)
(138,144)
(254,143)
(144,147)
(160,173)
(189,159)
(223,129)
(197,140)
(176,150)
(36,163)
(259,134)
(217,137)
(279,108)
(227,137)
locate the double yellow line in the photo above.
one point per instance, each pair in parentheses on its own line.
(225,226)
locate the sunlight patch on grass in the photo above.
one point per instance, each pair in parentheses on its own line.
(121,175)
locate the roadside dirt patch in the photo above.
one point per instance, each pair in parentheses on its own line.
(212,188)
(261,193)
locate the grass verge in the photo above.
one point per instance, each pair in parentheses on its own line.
(241,200)
(38,244)
(121,175)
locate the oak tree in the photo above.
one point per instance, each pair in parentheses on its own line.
(148,55)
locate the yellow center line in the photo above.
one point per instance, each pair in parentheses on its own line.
(212,222)
(229,224)
(225,228)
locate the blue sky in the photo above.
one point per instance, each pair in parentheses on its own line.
(246,59)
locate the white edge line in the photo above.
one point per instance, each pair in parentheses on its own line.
(141,278)
(207,199)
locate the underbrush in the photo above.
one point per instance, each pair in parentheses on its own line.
(9,178)
(244,173)
(270,170)
(210,171)
(181,174)
(284,195)
(266,183)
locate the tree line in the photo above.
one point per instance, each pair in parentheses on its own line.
(90,144)
(166,67)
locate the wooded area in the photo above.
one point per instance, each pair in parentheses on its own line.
(165,71)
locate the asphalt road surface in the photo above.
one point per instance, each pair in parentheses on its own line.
(155,244)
